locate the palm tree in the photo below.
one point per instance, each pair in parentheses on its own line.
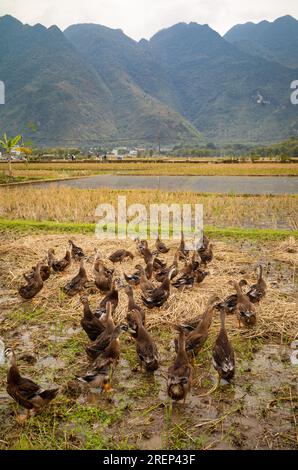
(8,145)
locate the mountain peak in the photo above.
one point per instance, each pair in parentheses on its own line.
(10,21)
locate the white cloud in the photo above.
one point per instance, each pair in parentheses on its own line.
(143,18)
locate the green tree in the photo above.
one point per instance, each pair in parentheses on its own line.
(8,144)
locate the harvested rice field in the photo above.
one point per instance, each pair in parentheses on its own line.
(258,410)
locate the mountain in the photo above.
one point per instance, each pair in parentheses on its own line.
(226,93)
(51,86)
(276,41)
(92,84)
(131,74)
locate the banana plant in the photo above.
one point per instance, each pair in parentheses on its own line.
(8,145)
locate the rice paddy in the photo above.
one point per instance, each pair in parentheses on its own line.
(257,411)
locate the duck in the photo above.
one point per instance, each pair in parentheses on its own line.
(159,295)
(77,283)
(196,339)
(257,291)
(98,376)
(90,323)
(229,304)
(76,251)
(111,353)
(145,284)
(223,356)
(141,245)
(111,297)
(158,263)
(200,275)
(102,277)
(34,285)
(180,374)
(144,251)
(183,253)
(103,340)
(204,244)
(162,274)
(146,349)
(58,265)
(132,305)
(98,262)
(45,272)
(133,279)
(160,246)
(120,255)
(207,254)
(185,280)
(149,267)
(245,310)
(24,391)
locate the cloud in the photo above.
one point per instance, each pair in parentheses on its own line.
(143,18)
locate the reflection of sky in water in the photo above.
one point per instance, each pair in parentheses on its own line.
(209,184)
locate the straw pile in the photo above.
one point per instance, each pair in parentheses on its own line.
(277,314)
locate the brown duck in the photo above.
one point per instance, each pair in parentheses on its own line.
(229,304)
(111,297)
(45,272)
(223,357)
(132,305)
(197,338)
(24,391)
(111,353)
(257,291)
(35,284)
(160,246)
(146,349)
(145,285)
(133,279)
(204,244)
(77,283)
(162,274)
(207,255)
(98,376)
(245,310)
(120,256)
(58,265)
(76,251)
(90,324)
(102,277)
(103,340)
(183,253)
(180,374)
(159,295)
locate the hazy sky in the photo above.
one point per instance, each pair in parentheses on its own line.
(143,18)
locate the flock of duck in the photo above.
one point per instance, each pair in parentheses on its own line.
(103,352)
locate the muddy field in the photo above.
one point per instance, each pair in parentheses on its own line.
(257,412)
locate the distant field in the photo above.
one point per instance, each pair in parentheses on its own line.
(53,170)
(63,204)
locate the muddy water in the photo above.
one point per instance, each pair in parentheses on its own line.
(200,184)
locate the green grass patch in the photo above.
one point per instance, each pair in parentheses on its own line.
(68,227)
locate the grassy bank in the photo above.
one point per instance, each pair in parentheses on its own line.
(34,226)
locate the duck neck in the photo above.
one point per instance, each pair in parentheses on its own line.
(223,320)
(131,301)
